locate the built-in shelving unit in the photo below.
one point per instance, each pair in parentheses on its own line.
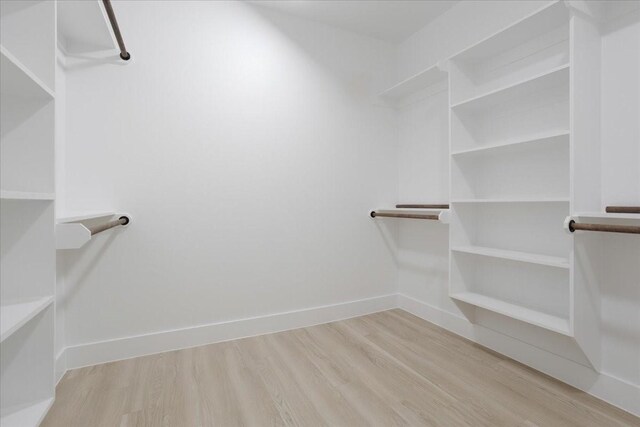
(510,172)
(27,285)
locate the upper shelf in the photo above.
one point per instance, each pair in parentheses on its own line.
(543,20)
(83,27)
(422,80)
(531,86)
(18,80)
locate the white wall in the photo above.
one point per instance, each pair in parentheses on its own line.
(423,269)
(245,145)
(620,134)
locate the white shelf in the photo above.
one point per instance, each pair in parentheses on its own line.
(530,139)
(410,210)
(527,257)
(78,217)
(25,195)
(13,316)
(534,317)
(422,80)
(83,27)
(541,21)
(18,80)
(29,416)
(537,200)
(532,85)
(607,216)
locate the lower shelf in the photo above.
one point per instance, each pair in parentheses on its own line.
(28,416)
(531,258)
(537,318)
(13,316)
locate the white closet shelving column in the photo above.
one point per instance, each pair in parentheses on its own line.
(510,171)
(27,286)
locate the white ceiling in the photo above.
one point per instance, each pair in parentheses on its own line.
(389,20)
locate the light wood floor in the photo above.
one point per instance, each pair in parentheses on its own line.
(383,369)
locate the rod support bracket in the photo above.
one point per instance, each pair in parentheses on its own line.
(568,225)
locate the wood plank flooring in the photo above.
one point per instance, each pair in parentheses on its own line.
(384,369)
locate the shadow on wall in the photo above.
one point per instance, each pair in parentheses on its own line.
(86,258)
(325,48)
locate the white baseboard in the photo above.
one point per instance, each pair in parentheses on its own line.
(603,386)
(141,345)
(606,387)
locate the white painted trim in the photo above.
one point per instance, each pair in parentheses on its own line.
(606,387)
(60,365)
(126,348)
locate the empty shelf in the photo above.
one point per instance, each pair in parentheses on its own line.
(536,200)
(29,416)
(554,78)
(534,317)
(18,80)
(422,80)
(557,136)
(25,195)
(545,19)
(547,260)
(13,316)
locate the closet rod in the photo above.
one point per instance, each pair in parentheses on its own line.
(116,30)
(607,228)
(623,209)
(375,214)
(417,206)
(123,220)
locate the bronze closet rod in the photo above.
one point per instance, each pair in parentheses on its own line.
(418,206)
(607,228)
(623,209)
(123,220)
(116,30)
(375,214)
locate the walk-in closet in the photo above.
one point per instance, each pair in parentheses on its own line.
(320,213)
